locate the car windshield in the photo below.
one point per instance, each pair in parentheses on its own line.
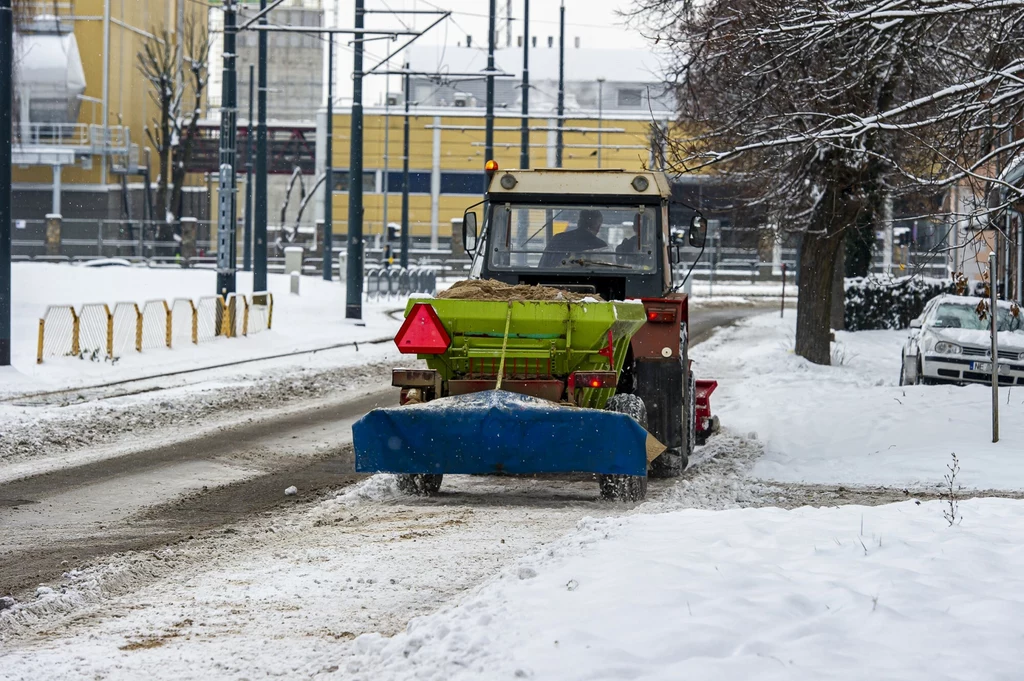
(960,316)
(573,237)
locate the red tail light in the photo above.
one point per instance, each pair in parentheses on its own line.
(661,315)
(422,333)
(593,379)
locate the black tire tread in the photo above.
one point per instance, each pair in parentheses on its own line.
(419,484)
(626,488)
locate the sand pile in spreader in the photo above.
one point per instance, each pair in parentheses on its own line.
(488,289)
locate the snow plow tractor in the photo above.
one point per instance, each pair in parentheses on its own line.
(566,352)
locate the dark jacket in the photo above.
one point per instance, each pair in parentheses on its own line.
(573,241)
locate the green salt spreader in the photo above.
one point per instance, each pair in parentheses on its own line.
(520,387)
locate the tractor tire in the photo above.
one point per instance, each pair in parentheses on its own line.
(420,484)
(626,488)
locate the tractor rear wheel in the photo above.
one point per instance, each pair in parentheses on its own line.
(420,484)
(626,488)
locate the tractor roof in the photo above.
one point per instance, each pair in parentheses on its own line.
(617,183)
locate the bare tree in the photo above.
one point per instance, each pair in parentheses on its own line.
(172,132)
(828,109)
(197,58)
(158,63)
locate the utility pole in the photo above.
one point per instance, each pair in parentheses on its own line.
(259,279)
(328,254)
(405,176)
(387,149)
(226,188)
(249,153)
(489,135)
(561,85)
(993,272)
(6,118)
(354,279)
(524,136)
(600,116)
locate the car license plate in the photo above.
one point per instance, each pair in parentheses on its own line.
(986,368)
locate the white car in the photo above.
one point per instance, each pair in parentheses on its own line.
(948,343)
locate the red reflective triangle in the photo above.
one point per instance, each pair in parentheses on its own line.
(422,333)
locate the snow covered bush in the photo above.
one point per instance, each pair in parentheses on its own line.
(886,303)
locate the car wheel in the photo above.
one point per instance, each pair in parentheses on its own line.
(921,379)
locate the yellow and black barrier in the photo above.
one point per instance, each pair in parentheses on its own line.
(99,331)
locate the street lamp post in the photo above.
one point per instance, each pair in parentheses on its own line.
(6,118)
(600,116)
(328,245)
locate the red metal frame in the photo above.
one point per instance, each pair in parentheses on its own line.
(703,407)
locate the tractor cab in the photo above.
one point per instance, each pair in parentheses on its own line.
(602,232)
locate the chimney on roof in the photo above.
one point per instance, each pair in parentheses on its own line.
(551,41)
(469,41)
(577,42)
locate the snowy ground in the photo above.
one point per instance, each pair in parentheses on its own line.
(87,424)
(852,423)
(313,319)
(504,578)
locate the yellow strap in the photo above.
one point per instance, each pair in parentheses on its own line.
(504,344)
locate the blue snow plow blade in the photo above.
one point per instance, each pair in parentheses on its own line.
(498,432)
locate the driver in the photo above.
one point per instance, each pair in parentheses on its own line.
(631,244)
(583,238)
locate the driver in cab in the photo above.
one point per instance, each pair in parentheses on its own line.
(583,238)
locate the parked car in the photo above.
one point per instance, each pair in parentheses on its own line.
(950,343)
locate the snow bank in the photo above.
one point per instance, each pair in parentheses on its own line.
(840,593)
(852,423)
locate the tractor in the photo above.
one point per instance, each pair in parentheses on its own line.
(566,351)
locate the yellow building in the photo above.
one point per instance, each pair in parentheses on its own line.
(446,160)
(83,105)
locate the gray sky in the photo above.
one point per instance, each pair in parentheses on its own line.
(593,21)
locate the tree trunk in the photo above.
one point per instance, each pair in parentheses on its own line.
(814,302)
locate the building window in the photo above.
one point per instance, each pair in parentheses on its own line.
(630,97)
(340,177)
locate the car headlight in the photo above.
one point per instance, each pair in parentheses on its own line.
(1020,357)
(945,348)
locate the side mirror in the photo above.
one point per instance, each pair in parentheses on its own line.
(469,232)
(915,323)
(698,231)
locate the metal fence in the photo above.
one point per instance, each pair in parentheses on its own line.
(396,282)
(98,332)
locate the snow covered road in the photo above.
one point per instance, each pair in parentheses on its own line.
(534,578)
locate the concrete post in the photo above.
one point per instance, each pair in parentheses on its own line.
(293,259)
(552,142)
(188,238)
(55,207)
(53,226)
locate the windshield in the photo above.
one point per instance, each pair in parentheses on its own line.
(958,316)
(573,237)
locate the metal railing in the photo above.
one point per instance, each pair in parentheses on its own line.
(86,138)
